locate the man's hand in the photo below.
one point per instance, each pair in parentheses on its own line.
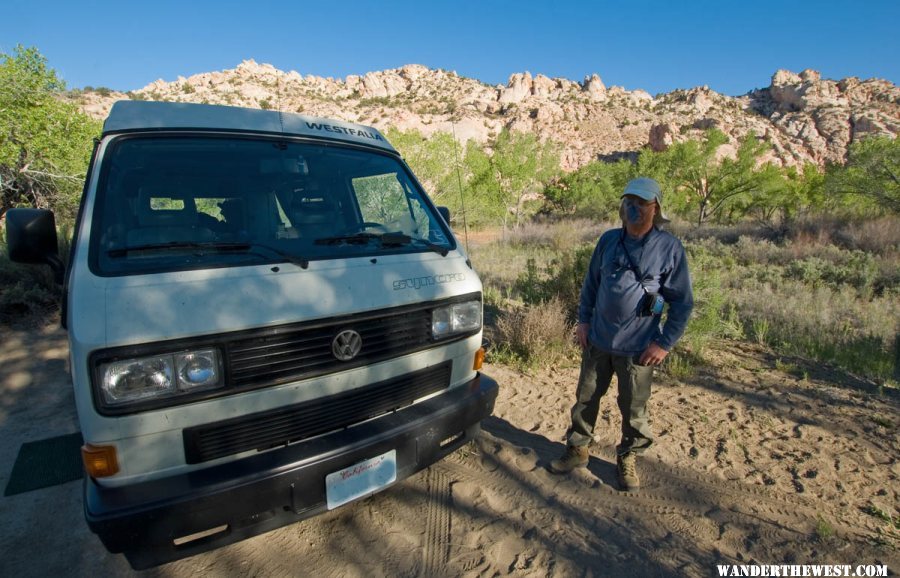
(653,355)
(581,334)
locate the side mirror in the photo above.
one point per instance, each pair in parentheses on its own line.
(445,213)
(31,238)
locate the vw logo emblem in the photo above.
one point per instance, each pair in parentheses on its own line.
(346,345)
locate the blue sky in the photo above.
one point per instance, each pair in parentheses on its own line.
(655,45)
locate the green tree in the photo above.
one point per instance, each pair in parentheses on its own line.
(45,143)
(433,160)
(707,186)
(521,166)
(445,169)
(484,202)
(871,176)
(798,191)
(591,191)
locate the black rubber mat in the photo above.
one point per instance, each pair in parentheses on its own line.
(46,463)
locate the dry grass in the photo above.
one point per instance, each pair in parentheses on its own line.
(557,235)
(880,236)
(502,258)
(531,336)
(810,297)
(829,290)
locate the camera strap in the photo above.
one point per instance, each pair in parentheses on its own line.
(635,268)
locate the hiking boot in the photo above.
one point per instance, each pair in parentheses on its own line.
(575,457)
(626,472)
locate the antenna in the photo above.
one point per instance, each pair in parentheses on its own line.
(277,92)
(462,198)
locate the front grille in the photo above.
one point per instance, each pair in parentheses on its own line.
(263,357)
(279,427)
(299,352)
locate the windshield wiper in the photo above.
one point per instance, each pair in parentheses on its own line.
(400,239)
(215,247)
(395,239)
(354,239)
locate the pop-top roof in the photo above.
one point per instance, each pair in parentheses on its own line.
(135,115)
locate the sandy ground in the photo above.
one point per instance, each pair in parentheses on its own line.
(758,460)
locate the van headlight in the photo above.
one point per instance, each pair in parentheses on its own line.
(454,319)
(146,378)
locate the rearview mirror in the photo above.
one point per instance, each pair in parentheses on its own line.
(445,213)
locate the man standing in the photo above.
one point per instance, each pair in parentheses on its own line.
(634,273)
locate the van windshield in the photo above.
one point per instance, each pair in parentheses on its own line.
(177,202)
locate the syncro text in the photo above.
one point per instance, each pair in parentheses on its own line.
(419,282)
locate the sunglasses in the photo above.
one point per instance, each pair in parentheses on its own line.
(638,202)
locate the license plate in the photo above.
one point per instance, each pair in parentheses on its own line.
(360,479)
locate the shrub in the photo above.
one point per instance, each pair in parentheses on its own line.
(833,302)
(25,291)
(810,308)
(713,316)
(46,140)
(28,291)
(560,279)
(538,335)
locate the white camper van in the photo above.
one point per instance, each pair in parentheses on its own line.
(268,318)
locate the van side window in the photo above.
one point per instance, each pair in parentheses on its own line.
(389,200)
(382,200)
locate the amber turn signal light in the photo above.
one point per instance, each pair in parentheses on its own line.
(479,359)
(99,461)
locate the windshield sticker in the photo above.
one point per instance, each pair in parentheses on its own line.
(419,282)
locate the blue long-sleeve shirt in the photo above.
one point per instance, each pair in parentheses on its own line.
(611,295)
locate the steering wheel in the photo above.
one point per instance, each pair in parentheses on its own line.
(370,225)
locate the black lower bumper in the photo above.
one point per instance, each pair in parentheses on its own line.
(240,499)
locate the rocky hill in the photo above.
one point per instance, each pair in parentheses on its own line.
(805,117)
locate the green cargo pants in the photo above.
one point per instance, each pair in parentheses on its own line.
(597,368)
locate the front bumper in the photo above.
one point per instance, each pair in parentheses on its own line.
(269,490)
